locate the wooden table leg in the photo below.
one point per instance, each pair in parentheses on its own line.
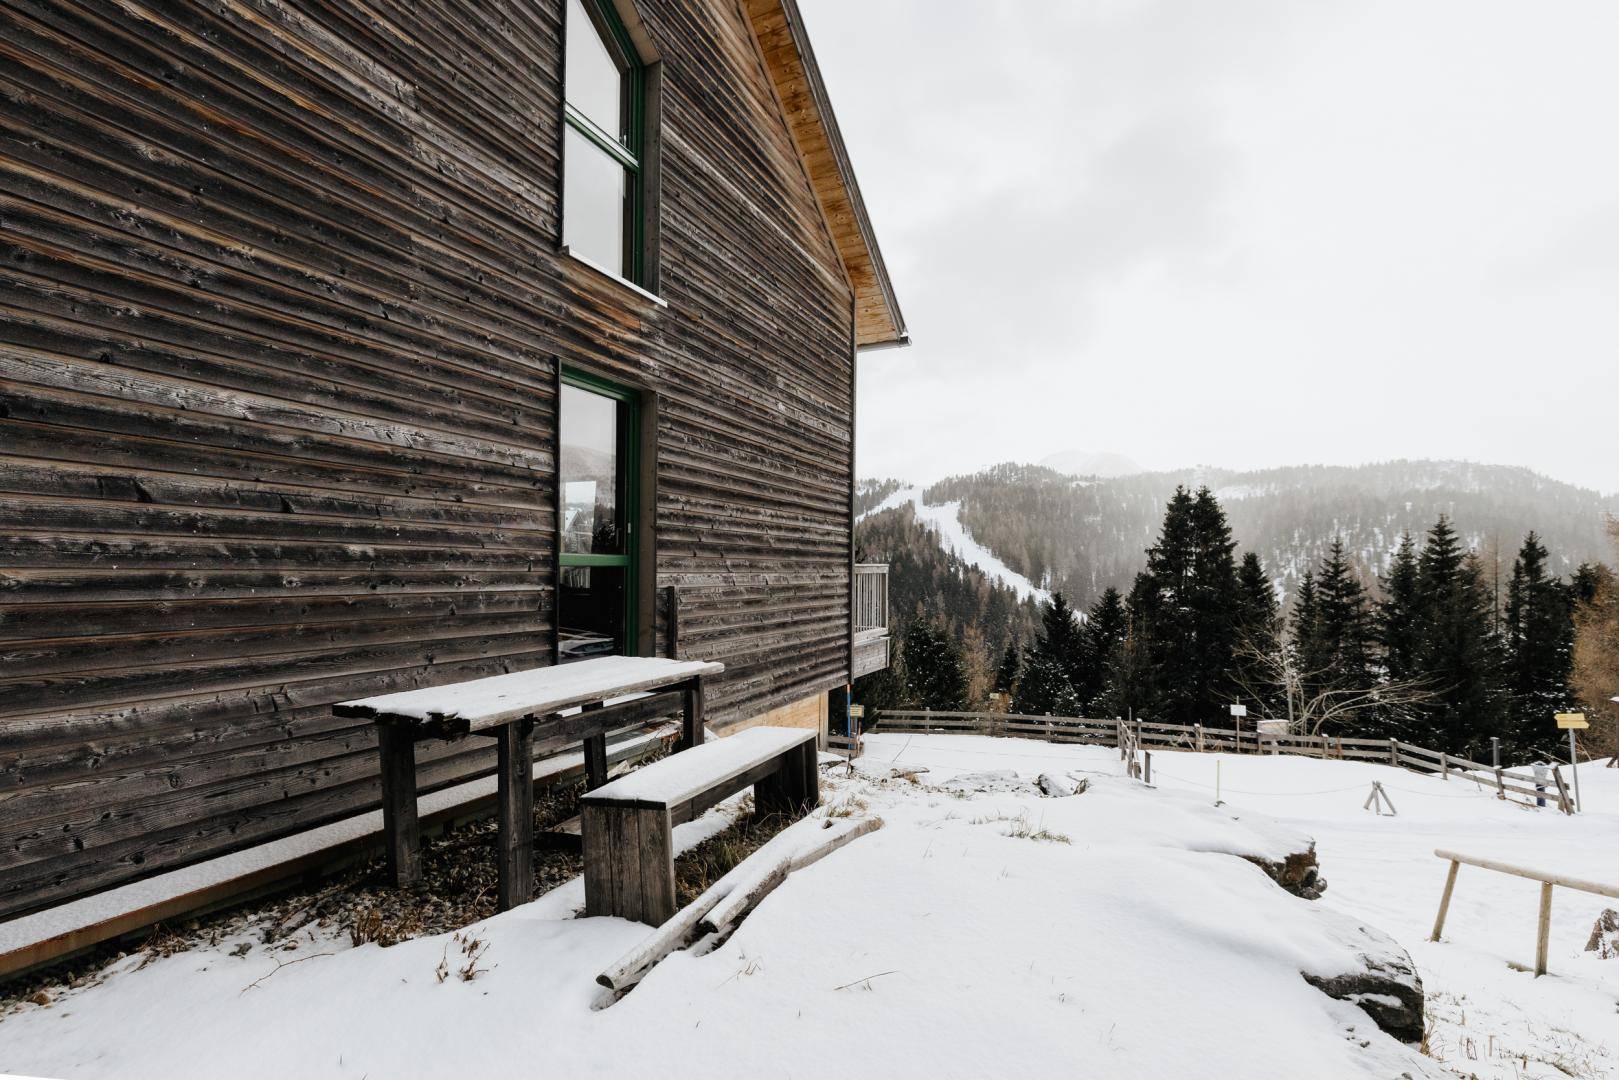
(1444,901)
(595,761)
(1543,936)
(400,828)
(691,732)
(515,844)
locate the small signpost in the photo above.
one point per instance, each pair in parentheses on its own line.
(1238,711)
(1572,722)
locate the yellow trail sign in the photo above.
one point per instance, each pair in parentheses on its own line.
(1572,720)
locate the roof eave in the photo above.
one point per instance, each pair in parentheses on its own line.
(878,320)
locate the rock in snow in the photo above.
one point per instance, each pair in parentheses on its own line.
(1060,785)
(1298,872)
(1605,935)
(1384,983)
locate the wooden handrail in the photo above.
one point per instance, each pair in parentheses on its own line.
(1543,927)
(1564,880)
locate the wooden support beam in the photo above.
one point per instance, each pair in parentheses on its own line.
(402,833)
(1543,932)
(691,733)
(1444,901)
(515,843)
(595,761)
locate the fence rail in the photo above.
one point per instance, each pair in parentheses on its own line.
(1144,734)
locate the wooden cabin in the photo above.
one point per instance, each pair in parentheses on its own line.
(348,347)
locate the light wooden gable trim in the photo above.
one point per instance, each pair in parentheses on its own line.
(791,64)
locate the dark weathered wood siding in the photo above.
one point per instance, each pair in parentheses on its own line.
(281,308)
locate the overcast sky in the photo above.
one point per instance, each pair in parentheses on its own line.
(1238,233)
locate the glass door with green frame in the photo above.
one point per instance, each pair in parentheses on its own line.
(597,470)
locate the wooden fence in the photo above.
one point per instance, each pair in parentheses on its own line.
(1146,735)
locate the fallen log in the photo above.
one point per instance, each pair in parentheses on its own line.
(802,843)
(746,895)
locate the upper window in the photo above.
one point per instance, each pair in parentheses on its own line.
(603,141)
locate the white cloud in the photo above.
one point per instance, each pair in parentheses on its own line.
(1243,233)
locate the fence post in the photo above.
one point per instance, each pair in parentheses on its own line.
(1444,765)
(1118,735)
(1394,752)
(1199,738)
(1495,752)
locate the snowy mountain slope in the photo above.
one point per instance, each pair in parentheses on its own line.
(945,521)
(1083,536)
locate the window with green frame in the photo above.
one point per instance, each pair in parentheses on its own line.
(603,141)
(597,467)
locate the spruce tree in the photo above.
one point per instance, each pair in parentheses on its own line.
(1006,676)
(1456,650)
(1538,640)
(1397,613)
(934,673)
(1182,609)
(1052,663)
(1258,628)
(1045,689)
(1344,636)
(1104,634)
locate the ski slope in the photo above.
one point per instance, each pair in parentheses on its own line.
(945,522)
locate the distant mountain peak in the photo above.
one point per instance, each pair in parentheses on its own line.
(1104,463)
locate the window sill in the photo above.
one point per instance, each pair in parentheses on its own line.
(617,279)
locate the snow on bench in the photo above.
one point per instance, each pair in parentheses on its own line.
(499,699)
(627,825)
(689,772)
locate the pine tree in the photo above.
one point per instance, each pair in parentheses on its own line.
(1456,647)
(1343,634)
(1538,639)
(1258,626)
(1182,611)
(1053,662)
(934,674)
(1397,613)
(1104,633)
(1308,653)
(1045,689)
(1006,676)
(1062,639)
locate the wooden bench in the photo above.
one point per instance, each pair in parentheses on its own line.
(1547,880)
(544,710)
(628,825)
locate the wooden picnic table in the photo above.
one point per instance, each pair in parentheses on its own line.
(566,703)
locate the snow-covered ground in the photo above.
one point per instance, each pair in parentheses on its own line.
(945,521)
(985,930)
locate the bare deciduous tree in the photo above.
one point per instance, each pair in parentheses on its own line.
(1274,674)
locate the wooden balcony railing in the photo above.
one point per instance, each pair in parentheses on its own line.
(870,598)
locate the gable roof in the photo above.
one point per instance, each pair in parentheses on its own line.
(791,64)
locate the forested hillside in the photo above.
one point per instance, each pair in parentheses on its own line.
(927,583)
(1084,535)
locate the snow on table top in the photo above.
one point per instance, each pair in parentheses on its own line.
(499,698)
(679,775)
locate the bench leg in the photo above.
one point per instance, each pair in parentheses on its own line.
(795,786)
(401,831)
(691,730)
(515,844)
(629,862)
